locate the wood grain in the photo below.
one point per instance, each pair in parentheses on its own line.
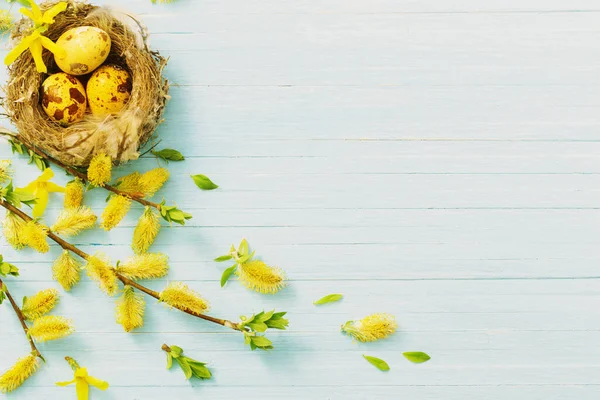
(436,160)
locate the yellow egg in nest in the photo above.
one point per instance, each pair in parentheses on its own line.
(108,90)
(63,98)
(86,48)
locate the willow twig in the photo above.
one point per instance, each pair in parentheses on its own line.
(21,317)
(126,281)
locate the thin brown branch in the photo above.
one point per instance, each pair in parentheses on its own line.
(22,318)
(138,197)
(126,281)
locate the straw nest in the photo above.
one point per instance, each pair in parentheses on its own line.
(121,135)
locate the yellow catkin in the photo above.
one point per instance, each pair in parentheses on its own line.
(39,304)
(371,328)
(74,194)
(145,232)
(145,266)
(100,170)
(35,236)
(50,327)
(6,21)
(71,221)
(12,227)
(260,277)
(5,165)
(151,181)
(179,295)
(116,209)
(66,270)
(130,309)
(130,184)
(18,373)
(98,269)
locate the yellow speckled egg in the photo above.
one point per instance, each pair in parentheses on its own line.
(86,48)
(63,98)
(108,89)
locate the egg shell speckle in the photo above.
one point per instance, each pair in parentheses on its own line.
(108,90)
(63,98)
(86,48)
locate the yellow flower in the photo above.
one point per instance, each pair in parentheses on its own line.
(40,189)
(145,266)
(72,221)
(34,235)
(66,270)
(74,194)
(131,184)
(6,21)
(50,327)
(14,377)
(260,277)
(100,169)
(371,328)
(35,42)
(5,168)
(39,304)
(179,295)
(145,232)
(116,209)
(130,309)
(82,382)
(98,269)
(12,227)
(151,181)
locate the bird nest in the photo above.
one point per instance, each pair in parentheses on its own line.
(119,135)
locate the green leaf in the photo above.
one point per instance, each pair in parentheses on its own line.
(245,258)
(204,182)
(262,342)
(224,258)
(243,249)
(199,370)
(417,357)
(330,298)
(277,321)
(169,155)
(176,351)
(169,360)
(227,274)
(264,316)
(257,326)
(185,367)
(378,363)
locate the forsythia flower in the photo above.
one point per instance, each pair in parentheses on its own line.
(66,270)
(98,269)
(13,230)
(115,211)
(41,187)
(82,381)
(14,377)
(130,309)
(179,295)
(5,165)
(100,169)
(260,277)
(145,232)
(39,304)
(71,221)
(74,194)
(34,235)
(151,181)
(371,328)
(145,266)
(131,184)
(50,327)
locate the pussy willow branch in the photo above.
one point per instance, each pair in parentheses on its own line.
(138,197)
(126,281)
(21,317)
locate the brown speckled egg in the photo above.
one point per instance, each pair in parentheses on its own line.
(86,48)
(108,90)
(63,98)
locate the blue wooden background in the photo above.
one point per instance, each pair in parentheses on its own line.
(437,160)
